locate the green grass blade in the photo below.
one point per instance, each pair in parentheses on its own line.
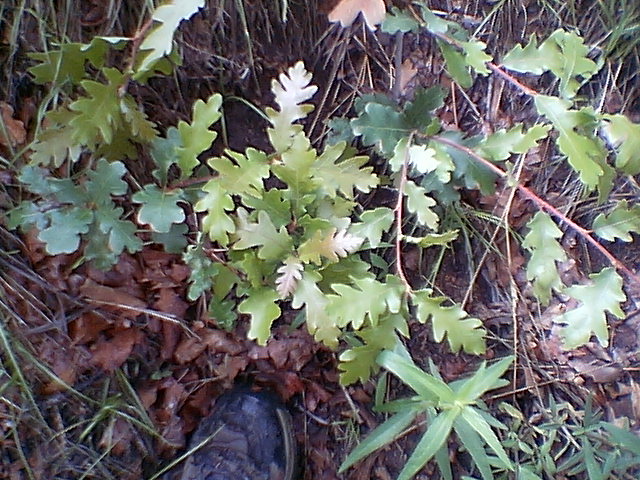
(474,445)
(379,437)
(480,425)
(434,438)
(426,385)
(484,379)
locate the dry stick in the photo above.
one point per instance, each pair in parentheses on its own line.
(544,206)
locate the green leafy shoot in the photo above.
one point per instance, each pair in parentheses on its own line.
(449,408)
(603,294)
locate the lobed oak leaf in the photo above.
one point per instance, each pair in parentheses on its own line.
(197,136)
(373,224)
(541,242)
(461,330)
(619,223)
(160,208)
(261,305)
(321,325)
(292,89)
(273,243)
(419,203)
(603,294)
(159,41)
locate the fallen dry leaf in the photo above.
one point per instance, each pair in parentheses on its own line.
(346,11)
(406,73)
(110,354)
(16,132)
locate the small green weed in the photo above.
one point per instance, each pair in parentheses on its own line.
(448,408)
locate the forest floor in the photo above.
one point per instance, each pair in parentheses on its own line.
(105,374)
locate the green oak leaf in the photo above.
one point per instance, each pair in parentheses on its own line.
(461,330)
(563,53)
(373,223)
(141,128)
(624,136)
(585,152)
(359,362)
(343,175)
(217,202)
(58,66)
(244,174)
(173,241)
(619,223)
(55,145)
(159,41)
(455,64)
(121,233)
(380,126)
(274,204)
(603,294)
(274,244)
(203,270)
(106,180)
(197,136)
(502,144)
(367,299)
(164,151)
(321,325)
(64,230)
(261,305)
(475,56)
(419,203)
(542,243)
(98,115)
(160,208)
(399,21)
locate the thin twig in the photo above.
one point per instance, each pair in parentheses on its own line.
(544,206)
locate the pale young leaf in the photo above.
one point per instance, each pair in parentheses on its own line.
(603,294)
(330,244)
(292,89)
(159,41)
(322,326)
(290,273)
(346,11)
(419,203)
